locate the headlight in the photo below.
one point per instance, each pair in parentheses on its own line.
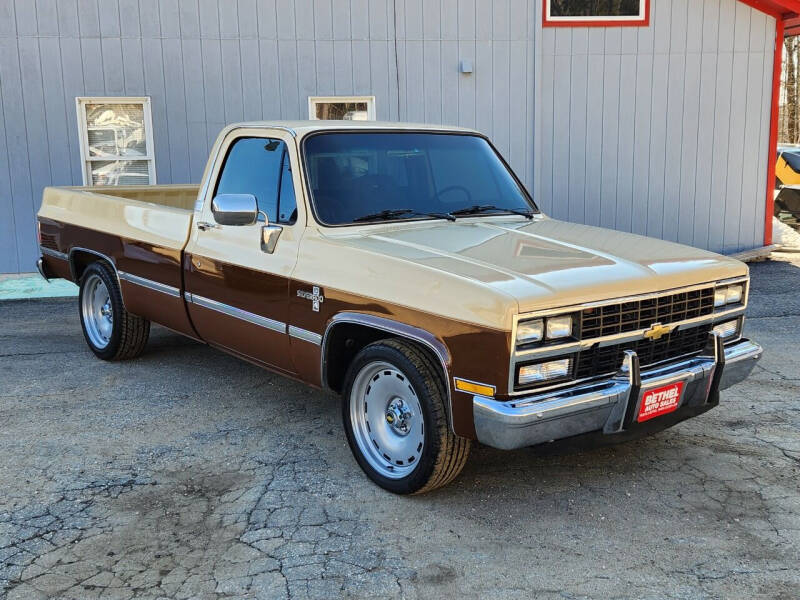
(719,297)
(727,329)
(733,294)
(559,327)
(729,294)
(550,328)
(556,369)
(530,331)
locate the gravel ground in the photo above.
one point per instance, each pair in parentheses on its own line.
(190,474)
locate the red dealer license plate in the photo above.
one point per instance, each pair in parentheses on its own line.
(660,401)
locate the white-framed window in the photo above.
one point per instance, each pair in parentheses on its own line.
(341,108)
(116,140)
(597,13)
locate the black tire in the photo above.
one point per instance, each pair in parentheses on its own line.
(129,333)
(443,454)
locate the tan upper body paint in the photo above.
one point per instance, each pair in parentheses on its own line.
(480,271)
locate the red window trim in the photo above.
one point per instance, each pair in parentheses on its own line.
(546,22)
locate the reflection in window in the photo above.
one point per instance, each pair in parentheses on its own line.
(342,108)
(116,142)
(341,111)
(583,12)
(594,8)
(116,130)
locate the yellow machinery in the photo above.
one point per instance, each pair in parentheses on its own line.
(787,169)
(787,180)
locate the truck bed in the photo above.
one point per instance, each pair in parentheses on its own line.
(141,230)
(175,196)
(157,214)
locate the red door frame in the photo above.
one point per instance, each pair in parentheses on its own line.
(777,65)
(783,11)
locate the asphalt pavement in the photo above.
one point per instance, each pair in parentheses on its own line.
(190,474)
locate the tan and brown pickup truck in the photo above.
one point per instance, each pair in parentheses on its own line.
(406,268)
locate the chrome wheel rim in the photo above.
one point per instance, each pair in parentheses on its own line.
(386,418)
(98,315)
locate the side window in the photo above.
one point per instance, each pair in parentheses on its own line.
(255,166)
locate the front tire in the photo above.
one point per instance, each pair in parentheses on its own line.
(395,419)
(111,332)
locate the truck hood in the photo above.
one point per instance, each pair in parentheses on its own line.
(547,263)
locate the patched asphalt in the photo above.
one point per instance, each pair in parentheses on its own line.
(190,474)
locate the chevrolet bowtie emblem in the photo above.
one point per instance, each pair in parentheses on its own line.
(315,295)
(657,331)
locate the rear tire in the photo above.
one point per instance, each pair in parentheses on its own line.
(396,421)
(111,332)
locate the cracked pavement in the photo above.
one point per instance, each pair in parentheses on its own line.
(190,474)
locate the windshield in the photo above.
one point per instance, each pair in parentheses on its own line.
(381,176)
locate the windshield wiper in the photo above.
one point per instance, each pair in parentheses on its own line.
(396,213)
(481,208)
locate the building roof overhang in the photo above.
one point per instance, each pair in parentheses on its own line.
(780,9)
(785,11)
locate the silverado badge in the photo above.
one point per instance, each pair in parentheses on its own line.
(657,331)
(315,295)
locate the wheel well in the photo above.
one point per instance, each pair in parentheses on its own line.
(346,340)
(79,260)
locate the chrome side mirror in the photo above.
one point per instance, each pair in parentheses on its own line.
(235,209)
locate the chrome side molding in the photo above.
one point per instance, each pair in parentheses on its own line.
(305,335)
(236,313)
(54,253)
(150,284)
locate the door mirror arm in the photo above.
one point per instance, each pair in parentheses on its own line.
(269,237)
(269,234)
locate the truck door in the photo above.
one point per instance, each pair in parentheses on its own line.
(236,290)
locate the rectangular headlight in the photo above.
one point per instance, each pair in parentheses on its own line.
(555,369)
(727,329)
(728,294)
(530,331)
(559,327)
(720,297)
(733,294)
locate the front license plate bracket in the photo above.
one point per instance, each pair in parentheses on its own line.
(659,401)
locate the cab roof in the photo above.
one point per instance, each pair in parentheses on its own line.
(301,128)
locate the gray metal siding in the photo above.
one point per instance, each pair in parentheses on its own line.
(660,130)
(207,63)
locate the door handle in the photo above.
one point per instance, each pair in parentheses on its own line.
(205,225)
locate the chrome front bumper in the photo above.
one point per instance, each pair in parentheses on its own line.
(610,405)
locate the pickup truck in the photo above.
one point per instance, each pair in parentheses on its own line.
(406,268)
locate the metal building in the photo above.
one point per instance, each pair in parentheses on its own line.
(659,121)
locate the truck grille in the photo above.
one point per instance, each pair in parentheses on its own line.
(641,314)
(602,361)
